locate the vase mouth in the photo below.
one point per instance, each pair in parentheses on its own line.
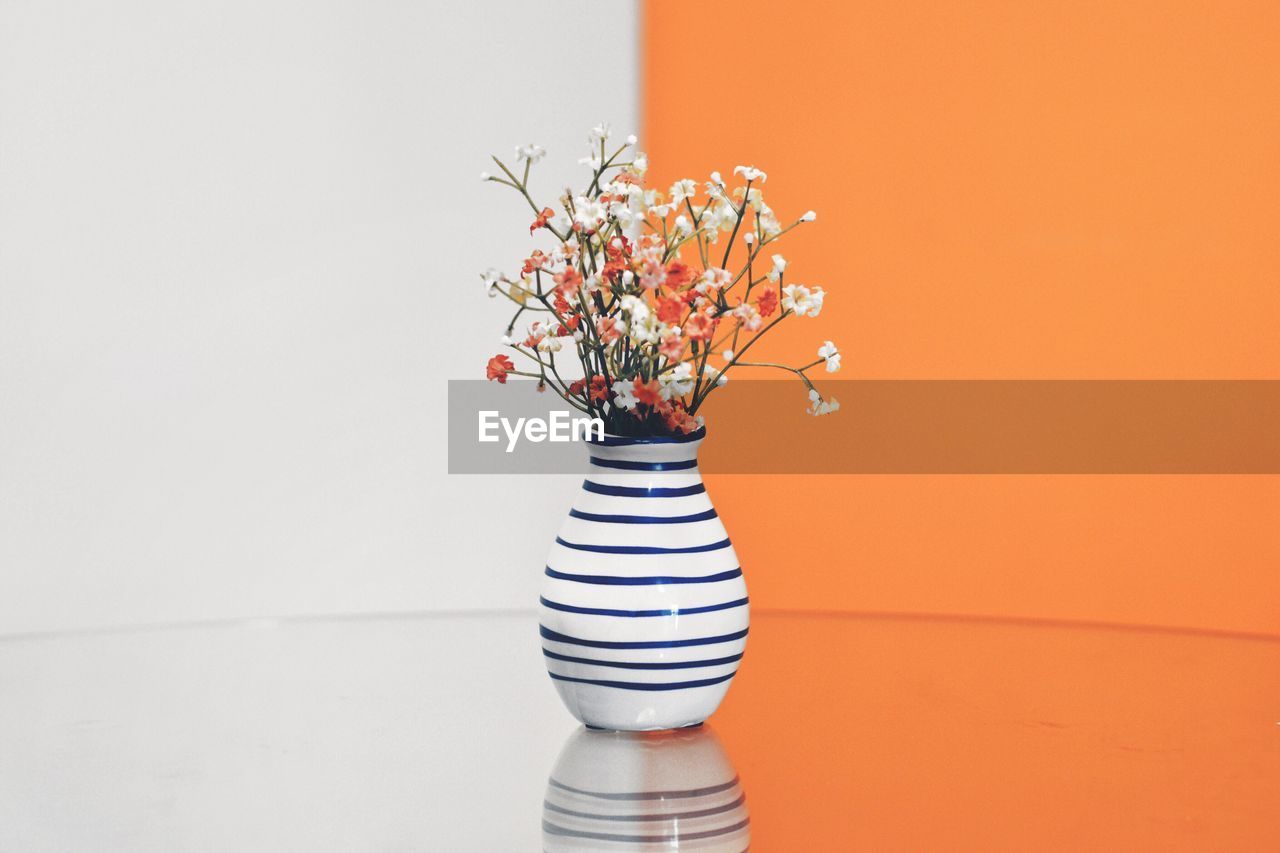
(611,440)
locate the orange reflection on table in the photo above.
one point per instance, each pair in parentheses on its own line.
(908,733)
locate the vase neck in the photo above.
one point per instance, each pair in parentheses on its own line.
(627,454)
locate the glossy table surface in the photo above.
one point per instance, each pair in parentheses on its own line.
(442,733)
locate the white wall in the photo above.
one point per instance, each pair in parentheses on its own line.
(239,247)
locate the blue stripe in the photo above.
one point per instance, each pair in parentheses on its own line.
(622,664)
(628,440)
(634,492)
(643,549)
(615,580)
(643,519)
(640,685)
(600,611)
(548,634)
(628,465)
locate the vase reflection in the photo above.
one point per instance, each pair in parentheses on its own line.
(644,791)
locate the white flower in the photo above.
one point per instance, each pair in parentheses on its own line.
(550,343)
(809,216)
(712,279)
(578,337)
(625,394)
(820,406)
(768,222)
(599,133)
(722,216)
(507,340)
(532,153)
(642,323)
(779,264)
(682,189)
(640,164)
(491,278)
(682,225)
(593,161)
(662,211)
(722,378)
(634,306)
(755,199)
(676,383)
(801,300)
(618,188)
(484,176)
(631,139)
(748,238)
(588,213)
(750,173)
(728,355)
(716,180)
(829,352)
(645,329)
(622,212)
(748,315)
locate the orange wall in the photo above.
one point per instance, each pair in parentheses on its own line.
(1005,190)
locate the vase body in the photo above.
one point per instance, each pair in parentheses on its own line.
(643,607)
(639,792)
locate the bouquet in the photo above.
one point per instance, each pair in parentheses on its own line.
(640,306)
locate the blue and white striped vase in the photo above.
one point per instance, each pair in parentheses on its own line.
(643,607)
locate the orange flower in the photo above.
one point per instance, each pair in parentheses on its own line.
(680,420)
(672,347)
(647,392)
(567,280)
(498,367)
(670,308)
(618,247)
(607,330)
(543,218)
(767,302)
(577,386)
(679,274)
(700,327)
(613,269)
(599,389)
(534,262)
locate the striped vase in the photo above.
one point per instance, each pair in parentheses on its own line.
(644,791)
(643,608)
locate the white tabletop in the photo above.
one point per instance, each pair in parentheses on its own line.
(429,733)
(441,733)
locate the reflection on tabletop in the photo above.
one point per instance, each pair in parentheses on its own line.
(641,791)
